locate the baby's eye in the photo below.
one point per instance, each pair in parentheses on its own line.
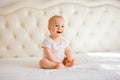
(62,26)
(56,25)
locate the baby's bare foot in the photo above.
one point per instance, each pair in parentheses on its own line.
(60,66)
(71,63)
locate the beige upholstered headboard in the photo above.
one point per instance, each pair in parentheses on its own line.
(90,26)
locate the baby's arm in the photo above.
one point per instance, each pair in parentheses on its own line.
(69,60)
(68,53)
(49,54)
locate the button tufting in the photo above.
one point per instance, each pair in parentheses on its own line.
(8,47)
(22,24)
(113,21)
(29,13)
(32,55)
(90,12)
(31,35)
(75,12)
(98,22)
(106,11)
(86,28)
(23,46)
(38,23)
(14,36)
(16,56)
(6,25)
(84,23)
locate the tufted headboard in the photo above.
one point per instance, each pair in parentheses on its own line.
(91,26)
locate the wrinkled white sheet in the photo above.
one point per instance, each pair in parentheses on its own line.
(90,66)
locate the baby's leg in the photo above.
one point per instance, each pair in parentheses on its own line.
(60,65)
(47,64)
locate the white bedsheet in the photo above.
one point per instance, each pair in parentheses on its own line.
(90,66)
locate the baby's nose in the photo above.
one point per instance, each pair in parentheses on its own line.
(59,27)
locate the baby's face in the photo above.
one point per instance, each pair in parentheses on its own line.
(56,27)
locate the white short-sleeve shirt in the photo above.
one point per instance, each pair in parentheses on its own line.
(58,50)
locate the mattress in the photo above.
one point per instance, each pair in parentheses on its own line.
(89,66)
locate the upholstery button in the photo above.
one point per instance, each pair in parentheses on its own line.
(90,12)
(23,46)
(16,56)
(91,34)
(6,25)
(68,23)
(22,24)
(84,23)
(78,34)
(29,13)
(32,55)
(30,35)
(8,47)
(14,36)
(106,11)
(98,22)
(75,12)
(113,21)
(38,24)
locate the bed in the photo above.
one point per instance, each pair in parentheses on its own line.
(92,31)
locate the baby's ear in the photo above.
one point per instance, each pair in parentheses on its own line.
(48,27)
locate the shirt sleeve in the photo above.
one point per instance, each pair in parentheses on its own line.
(46,43)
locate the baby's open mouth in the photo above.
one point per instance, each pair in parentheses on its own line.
(59,32)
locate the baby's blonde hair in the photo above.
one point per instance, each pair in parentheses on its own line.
(53,18)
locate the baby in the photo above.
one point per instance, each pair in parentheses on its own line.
(56,53)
